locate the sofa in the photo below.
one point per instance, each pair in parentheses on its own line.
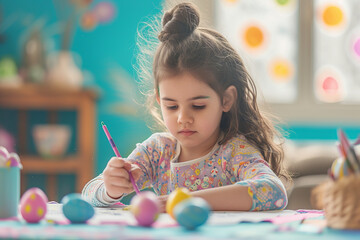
(308,164)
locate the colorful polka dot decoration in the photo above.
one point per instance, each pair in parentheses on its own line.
(9,159)
(332,15)
(283,2)
(253,36)
(281,70)
(230,1)
(329,87)
(356,47)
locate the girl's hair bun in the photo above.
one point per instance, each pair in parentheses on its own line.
(179,23)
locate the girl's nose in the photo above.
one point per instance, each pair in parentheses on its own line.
(185,117)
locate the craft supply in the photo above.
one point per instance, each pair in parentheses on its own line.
(76,209)
(192,212)
(349,152)
(145,208)
(341,203)
(9,159)
(9,183)
(117,153)
(33,206)
(178,195)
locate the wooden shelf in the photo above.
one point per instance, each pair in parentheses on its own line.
(53,99)
(34,164)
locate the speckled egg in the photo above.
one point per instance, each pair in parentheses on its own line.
(178,195)
(77,209)
(340,168)
(33,205)
(192,213)
(145,208)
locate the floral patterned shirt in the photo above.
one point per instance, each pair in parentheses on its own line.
(236,162)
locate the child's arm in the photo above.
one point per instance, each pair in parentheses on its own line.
(227,198)
(257,188)
(108,188)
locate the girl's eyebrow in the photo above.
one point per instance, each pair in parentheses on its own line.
(193,98)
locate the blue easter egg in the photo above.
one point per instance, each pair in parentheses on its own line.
(192,213)
(76,209)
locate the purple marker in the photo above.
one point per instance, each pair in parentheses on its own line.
(117,153)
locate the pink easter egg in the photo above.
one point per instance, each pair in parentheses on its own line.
(13,160)
(4,155)
(4,152)
(33,205)
(145,208)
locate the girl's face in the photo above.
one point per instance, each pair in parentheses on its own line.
(191,111)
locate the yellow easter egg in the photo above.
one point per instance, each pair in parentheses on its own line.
(178,195)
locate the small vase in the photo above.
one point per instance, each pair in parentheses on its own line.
(64,72)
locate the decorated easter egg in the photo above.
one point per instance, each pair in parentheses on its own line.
(192,213)
(77,209)
(340,168)
(13,160)
(33,205)
(145,208)
(4,152)
(4,155)
(175,197)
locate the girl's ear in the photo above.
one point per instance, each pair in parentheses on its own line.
(157,98)
(230,96)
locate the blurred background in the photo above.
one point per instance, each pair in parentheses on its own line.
(67,65)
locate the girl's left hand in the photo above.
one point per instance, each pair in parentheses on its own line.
(162,202)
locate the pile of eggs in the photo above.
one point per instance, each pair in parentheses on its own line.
(190,212)
(33,207)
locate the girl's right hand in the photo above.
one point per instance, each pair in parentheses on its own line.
(116,177)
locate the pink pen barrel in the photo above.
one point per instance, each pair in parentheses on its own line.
(117,153)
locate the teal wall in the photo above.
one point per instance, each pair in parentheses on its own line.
(105,55)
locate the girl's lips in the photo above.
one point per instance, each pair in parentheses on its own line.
(187,132)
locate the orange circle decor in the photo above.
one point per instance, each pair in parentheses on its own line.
(333,15)
(254,37)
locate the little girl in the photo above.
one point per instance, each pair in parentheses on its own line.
(218,144)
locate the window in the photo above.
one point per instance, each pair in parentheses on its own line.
(306,54)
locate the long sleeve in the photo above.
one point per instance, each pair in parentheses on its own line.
(153,158)
(247,167)
(236,162)
(95,193)
(265,188)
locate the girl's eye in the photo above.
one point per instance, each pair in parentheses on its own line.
(197,107)
(172,107)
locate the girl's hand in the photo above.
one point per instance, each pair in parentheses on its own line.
(116,177)
(162,202)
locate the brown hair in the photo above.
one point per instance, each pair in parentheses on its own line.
(203,52)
